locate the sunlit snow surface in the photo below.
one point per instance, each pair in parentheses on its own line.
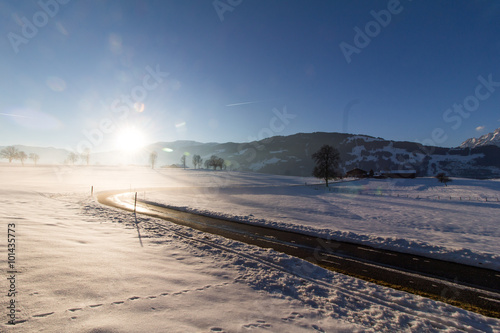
(81,266)
(459,222)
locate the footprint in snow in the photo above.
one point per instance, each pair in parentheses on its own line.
(118,302)
(258,324)
(319,329)
(293,316)
(133,298)
(95,305)
(43,315)
(74,309)
(216,329)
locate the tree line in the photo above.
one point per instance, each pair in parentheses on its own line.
(11,153)
(213,162)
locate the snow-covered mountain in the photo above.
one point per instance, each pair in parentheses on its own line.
(492,138)
(291,155)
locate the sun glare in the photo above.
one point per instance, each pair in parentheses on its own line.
(130,139)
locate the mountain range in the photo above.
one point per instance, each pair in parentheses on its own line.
(291,155)
(492,138)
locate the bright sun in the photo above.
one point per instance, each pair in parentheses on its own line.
(129,139)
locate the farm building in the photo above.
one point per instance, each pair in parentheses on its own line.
(356,173)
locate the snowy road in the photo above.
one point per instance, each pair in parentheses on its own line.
(447,281)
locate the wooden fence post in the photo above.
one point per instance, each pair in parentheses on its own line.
(135,203)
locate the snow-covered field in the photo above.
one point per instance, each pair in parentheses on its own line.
(419,216)
(80,267)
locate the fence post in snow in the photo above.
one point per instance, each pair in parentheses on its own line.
(135,203)
(92,191)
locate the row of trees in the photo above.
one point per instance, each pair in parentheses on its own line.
(213,162)
(72,157)
(12,153)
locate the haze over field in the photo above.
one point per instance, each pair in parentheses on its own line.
(103,277)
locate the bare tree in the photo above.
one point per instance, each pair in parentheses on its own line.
(327,159)
(72,158)
(85,156)
(34,157)
(183,161)
(9,153)
(443,178)
(197,160)
(21,156)
(153,156)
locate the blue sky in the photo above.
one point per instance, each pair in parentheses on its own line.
(244,70)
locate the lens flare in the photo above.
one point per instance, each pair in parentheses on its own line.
(139,107)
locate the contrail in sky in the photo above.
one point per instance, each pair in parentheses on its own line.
(244,103)
(12,115)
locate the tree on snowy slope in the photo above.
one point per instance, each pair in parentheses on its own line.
(153,156)
(72,158)
(197,160)
(443,178)
(215,162)
(21,156)
(9,153)
(327,159)
(34,157)
(85,156)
